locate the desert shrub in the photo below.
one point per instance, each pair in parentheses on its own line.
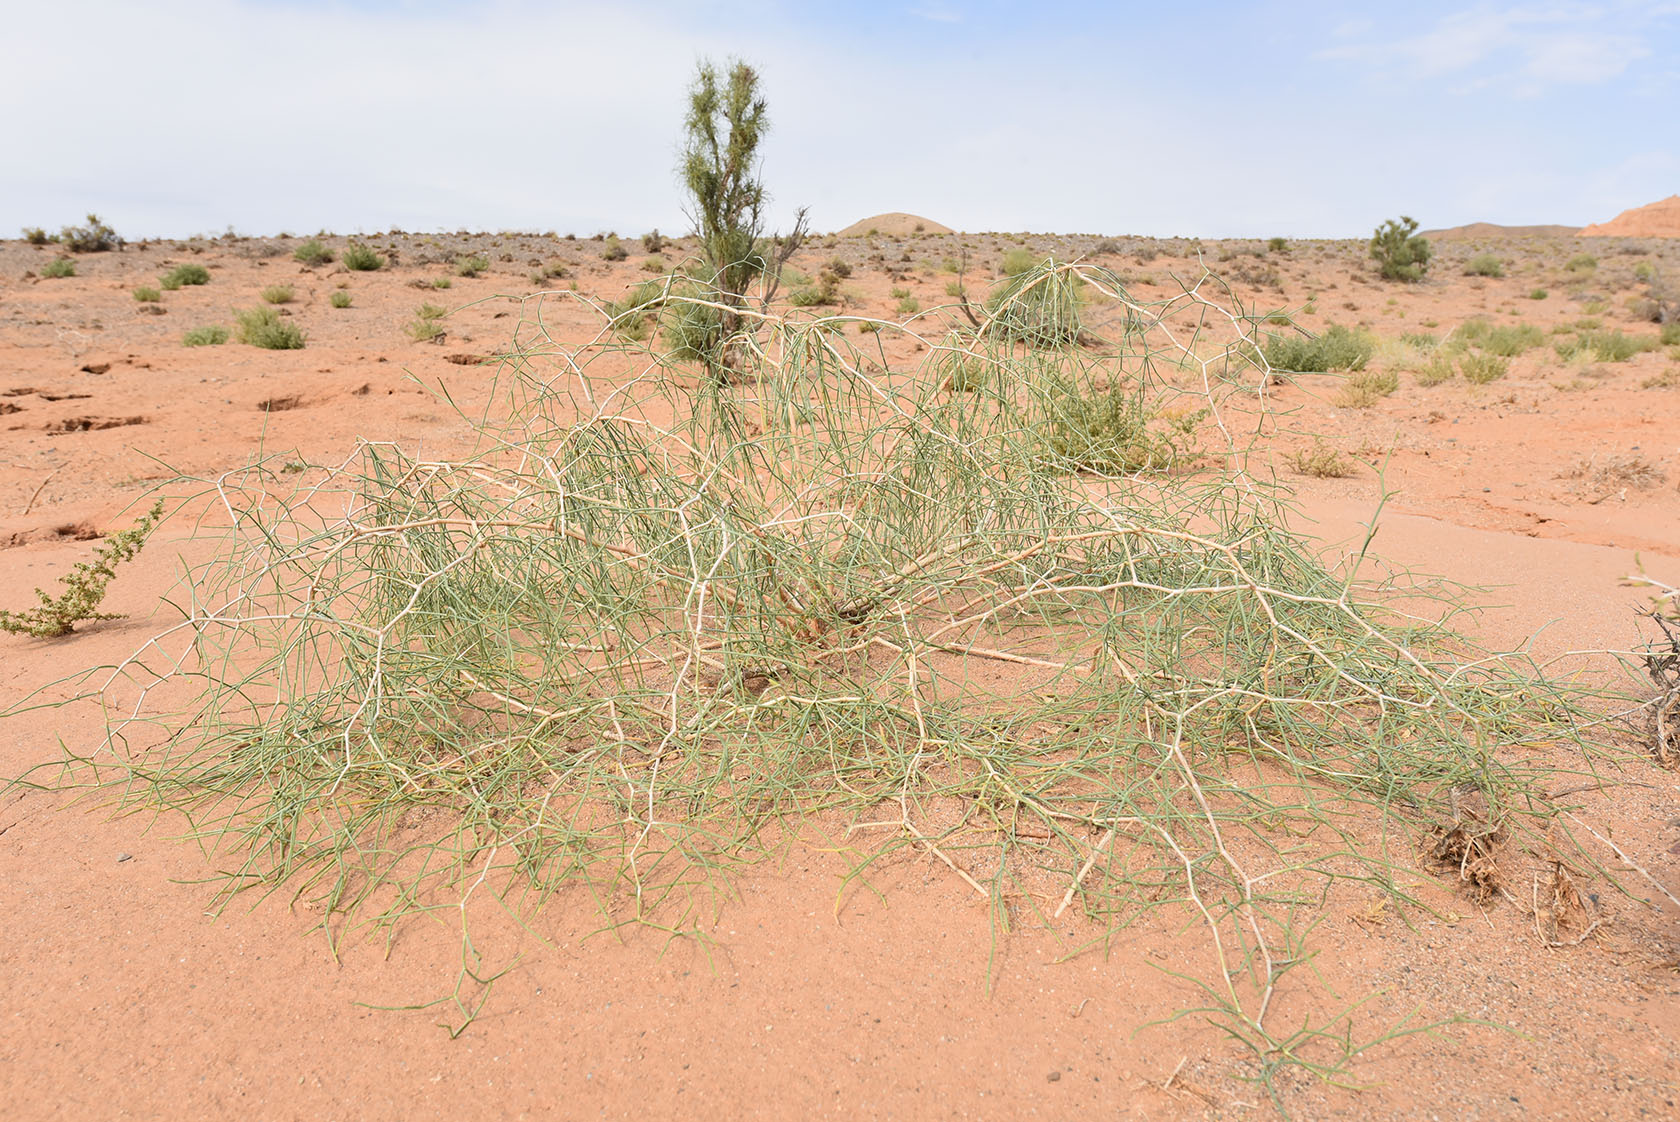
(1645,309)
(265,327)
(360,258)
(185,275)
(825,291)
(212,336)
(691,326)
(1644,272)
(1321,461)
(1159,664)
(839,267)
(1400,254)
(59,268)
(312,252)
(146,294)
(95,237)
(1602,346)
(1107,247)
(84,586)
(1479,369)
(1537,294)
(442,283)
(653,241)
(1581,264)
(1017,261)
(614,251)
(634,315)
(34,235)
(1670,334)
(1505,339)
(1615,346)
(1438,369)
(1277,245)
(1484,265)
(1364,388)
(470,265)
(908,305)
(1039,307)
(1338,348)
(424,327)
(654,265)
(278,294)
(1117,432)
(1595,307)
(339,298)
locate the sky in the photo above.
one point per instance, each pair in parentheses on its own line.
(1312,118)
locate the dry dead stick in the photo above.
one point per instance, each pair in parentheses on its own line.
(30,505)
(1630,862)
(1090,863)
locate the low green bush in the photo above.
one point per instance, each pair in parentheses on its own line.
(470,265)
(312,252)
(212,336)
(1364,388)
(278,294)
(1338,348)
(59,269)
(1114,432)
(185,275)
(264,327)
(146,294)
(1484,265)
(361,259)
(1438,369)
(1505,339)
(95,237)
(1480,369)
(1604,346)
(339,299)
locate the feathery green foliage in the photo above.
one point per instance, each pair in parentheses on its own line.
(1401,254)
(84,586)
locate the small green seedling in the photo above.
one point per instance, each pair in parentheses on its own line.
(84,586)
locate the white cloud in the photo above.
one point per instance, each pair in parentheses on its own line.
(1531,47)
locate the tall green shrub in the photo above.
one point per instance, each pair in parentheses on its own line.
(1400,254)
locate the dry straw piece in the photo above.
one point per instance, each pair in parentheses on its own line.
(660,624)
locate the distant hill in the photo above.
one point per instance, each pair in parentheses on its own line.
(1660,219)
(1493,230)
(895,224)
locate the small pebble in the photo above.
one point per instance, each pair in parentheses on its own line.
(121,857)
(1054,1076)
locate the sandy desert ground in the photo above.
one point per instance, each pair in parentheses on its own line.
(1547,487)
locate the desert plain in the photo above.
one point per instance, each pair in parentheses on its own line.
(1545,488)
